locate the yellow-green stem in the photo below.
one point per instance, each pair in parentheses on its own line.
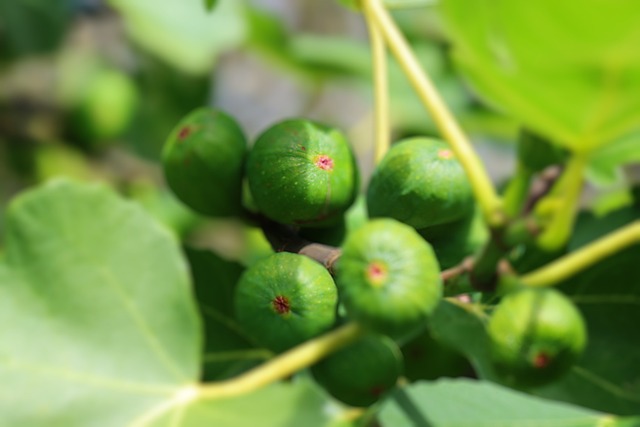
(380,86)
(582,258)
(484,191)
(566,193)
(284,365)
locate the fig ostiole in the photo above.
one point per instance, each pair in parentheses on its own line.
(535,336)
(421,183)
(285,299)
(203,161)
(302,173)
(361,373)
(388,277)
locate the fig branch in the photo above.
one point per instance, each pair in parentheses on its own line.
(284,365)
(485,193)
(380,87)
(560,204)
(585,257)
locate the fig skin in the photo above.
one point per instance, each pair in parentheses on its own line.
(203,161)
(535,336)
(302,173)
(285,299)
(388,277)
(421,183)
(361,373)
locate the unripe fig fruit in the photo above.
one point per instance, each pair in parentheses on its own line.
(105,107)
(301,172)
(203,161)
(388,277)
(421,183)
(284,300)
(536,335)
(362,372)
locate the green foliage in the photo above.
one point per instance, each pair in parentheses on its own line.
(449,403)
(102,294)
(30,27)
(180,33)
(550,67)
(210,4)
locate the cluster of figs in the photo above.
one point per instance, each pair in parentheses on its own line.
(421,218)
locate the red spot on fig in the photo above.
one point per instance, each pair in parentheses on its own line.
(445,154)
(376,391)
(541,360)
(324,162)
(184,132)
(377,273)
(281,304)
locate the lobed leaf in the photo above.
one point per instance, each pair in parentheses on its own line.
(470,403)
(548,65)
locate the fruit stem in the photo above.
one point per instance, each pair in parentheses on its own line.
(582,258)
(380,86)
(483,189)
(563,200)
(517,191)
(282,366)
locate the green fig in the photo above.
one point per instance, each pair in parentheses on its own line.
(303,173)
(361,373)
(203,162)
(535,336)
(285,299)
(388,277)
(421,183)
(105,107)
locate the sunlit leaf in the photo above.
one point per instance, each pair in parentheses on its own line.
(551,66)
(182,32)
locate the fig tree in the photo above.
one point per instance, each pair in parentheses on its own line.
(535,335)
(285,299)
(362,372)
(302,172)
(421,183)
(388,277)
(203,162)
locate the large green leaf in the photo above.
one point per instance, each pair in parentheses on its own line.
(605,162)
(97,322)
(569,70)
(468,403)
(181,32)
(98,326)
(228,350)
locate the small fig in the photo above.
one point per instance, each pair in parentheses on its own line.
(535,335)
(361,373)
(388,277)
(303,173)
(421,183)
(203,161)
(285,299)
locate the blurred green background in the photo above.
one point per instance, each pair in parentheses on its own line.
(91,88)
